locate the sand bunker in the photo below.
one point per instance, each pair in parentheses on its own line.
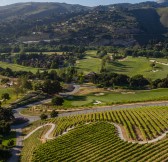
(99,94)
(97,102)
(127,92)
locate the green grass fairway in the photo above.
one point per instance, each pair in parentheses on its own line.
(130,66)
(89,63)
(133,66)
(118,97)
(16,67)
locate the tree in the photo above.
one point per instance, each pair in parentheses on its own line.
(53,75)
(43,116)
(54,114)
(5,96)
(51,87)
(138,81)
(18,88)
(81,78)
(156,83)
(121,79)
(57,100)
(6,114)
(5,127)
(27,85)
(11,143)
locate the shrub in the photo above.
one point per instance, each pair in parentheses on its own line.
(54,114)
(58,101)
(43,116)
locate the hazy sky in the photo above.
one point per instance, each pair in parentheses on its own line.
(82,2)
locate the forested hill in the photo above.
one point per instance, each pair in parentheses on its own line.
(37,10)
(119,24)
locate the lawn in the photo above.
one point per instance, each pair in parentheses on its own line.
(130,66)
(89,63)
(118,97)
(13,97)
(106,98)
(141,65)
(16,67)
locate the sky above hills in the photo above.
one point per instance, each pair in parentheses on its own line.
(82,2)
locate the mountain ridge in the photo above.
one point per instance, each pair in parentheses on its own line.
(117,24)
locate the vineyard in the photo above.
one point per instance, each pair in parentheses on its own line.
(98,141)
(31,144)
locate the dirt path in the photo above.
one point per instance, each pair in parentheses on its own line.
(47,135)
(120,134)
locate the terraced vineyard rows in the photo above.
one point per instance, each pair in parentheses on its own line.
(140,124)
(31,143)
(99,141)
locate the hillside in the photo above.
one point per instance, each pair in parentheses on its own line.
(120,24)
(37,10)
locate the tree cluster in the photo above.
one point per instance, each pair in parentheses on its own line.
(146,53)
(49,87)
(6,118)
(107,79)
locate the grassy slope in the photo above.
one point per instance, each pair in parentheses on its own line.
(90,63)
(11,93)
(118,97)
(109,98)
(131,66)
(16,67)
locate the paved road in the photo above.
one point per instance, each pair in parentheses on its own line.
(115,107)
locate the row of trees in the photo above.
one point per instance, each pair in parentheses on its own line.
(41,47)
(107,79)
(23,84)
(39,60)
(146,53)
(66,74)
(49,87)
